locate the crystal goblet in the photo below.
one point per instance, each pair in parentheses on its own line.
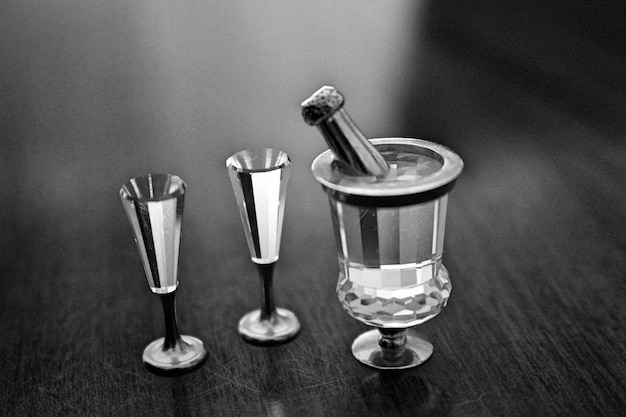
(259,179)
(389,234)
(154,205)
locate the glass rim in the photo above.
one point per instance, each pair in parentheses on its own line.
(126,193)
(451,168)
(284,158)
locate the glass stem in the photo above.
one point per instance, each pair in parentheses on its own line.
(172,335)
(266,272)
(392,343)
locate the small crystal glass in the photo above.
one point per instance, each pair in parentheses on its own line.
(259,179)
(389,234)
(154,204)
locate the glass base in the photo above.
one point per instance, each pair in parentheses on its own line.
(182,358)
(281,327)
(367,349)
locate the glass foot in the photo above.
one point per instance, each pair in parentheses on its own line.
(391,348)
(281,327)
(186,356)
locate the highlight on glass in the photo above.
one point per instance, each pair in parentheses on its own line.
(259,180)
(154,204)
(389,233)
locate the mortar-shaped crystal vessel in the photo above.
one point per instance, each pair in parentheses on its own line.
(389,232)
(154,205)
(259,179)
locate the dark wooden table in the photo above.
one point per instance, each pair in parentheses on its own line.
(536,252)
(535,246)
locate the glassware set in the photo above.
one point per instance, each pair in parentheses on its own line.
(389,235)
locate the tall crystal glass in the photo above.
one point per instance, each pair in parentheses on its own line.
(259,179)
(154,205)
(389,234)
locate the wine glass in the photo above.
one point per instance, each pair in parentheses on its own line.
(154,204)
(259,179)
(389,234)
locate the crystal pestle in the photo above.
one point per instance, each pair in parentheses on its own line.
(353,153)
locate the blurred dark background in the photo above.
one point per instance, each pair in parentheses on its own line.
(518,63)
(93,93)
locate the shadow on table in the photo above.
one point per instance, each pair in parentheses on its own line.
(404,392)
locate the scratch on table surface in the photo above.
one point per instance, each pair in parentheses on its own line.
(119,371)
(466,402)
(229,379)
(332,382)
